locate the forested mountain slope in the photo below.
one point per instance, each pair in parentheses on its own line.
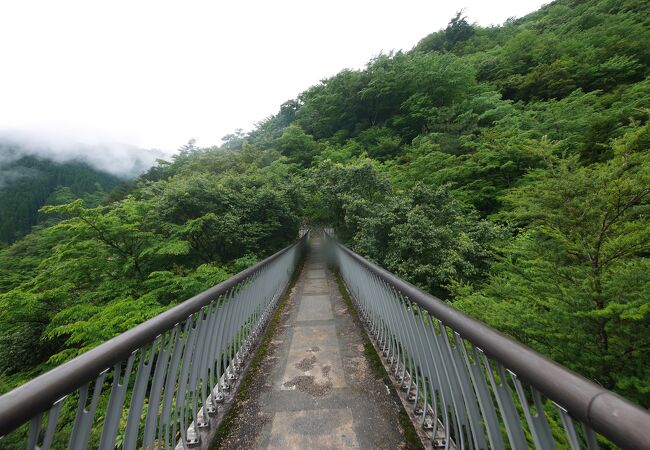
(99,270)
(28,183)
(505,169)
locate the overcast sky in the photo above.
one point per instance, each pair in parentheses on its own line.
(155,73)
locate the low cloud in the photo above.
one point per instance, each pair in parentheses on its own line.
(14,174)
(118,159)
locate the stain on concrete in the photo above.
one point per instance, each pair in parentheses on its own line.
(306,384)
(306,364)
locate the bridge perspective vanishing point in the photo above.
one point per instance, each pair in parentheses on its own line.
(182,380)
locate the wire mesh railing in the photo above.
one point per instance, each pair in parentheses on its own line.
(472,387)
(158,385)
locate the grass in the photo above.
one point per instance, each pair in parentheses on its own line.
(410,435)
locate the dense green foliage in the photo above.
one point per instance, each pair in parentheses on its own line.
(100,270)
(505,169)
(27,183)
(575,281)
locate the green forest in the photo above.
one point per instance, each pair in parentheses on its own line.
(504,169)
(27,183)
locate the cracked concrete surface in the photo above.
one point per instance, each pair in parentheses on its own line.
(315,388)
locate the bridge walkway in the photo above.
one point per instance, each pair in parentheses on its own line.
(315,387)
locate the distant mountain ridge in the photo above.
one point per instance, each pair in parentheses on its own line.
(115,158)
(28,182)
(41,169)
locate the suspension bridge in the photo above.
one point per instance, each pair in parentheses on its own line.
(316,347)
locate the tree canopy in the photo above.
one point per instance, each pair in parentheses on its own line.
(505,169)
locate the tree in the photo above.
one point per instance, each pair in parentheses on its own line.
(458,30)
(234,141)
(298,146)
(342,194)
(439,241)
(575,282)
(188,148)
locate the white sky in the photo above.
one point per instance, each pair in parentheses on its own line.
(156,73)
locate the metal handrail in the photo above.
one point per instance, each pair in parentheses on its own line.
(174,331)
(601,410)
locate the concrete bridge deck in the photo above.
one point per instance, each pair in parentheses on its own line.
(316,387)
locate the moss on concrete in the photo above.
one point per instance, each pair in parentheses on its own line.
(244,388)
(410,435)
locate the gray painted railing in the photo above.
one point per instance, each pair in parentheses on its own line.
(472,387)
(158,384)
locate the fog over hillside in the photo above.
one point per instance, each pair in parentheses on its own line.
(108,156)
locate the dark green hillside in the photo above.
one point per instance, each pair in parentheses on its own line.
(29,183)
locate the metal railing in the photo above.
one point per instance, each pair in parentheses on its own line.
(473,387)
(159,384)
